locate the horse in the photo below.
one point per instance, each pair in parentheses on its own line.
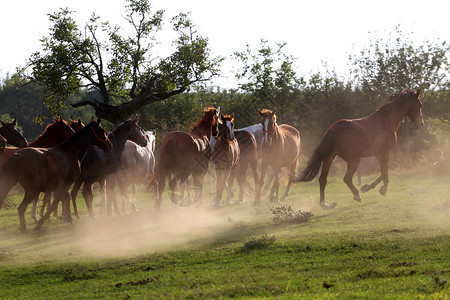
(249,156)
(225,154)
(185,153)
(98,165)
(12,135)
(54,134)
(280,148)
(353,139)
(138,165)
(50,169)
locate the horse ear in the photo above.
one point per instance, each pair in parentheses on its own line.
(274,111)
(79,121)
(418,93)
(92,119)
(222,116)
(14,122)
(232,115)
(259,112)
(99,121)
(60,118)
(218,111)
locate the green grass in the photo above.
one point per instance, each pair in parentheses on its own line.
(391,247)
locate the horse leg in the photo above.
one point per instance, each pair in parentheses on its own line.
(51,208)
(88,198)
(198,185)
(29,196)
(73,194)
(258,195)
(33,211)
(384,166)
(133,197)
(291,177)
(159,189)
(220,185)
(229,185)
(326,165)
(183,187)
(64,196)
(352,166)
(254,167)
(276,185)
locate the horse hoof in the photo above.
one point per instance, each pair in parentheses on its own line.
(328,206)
(357,198)
(383,190)
(364,188)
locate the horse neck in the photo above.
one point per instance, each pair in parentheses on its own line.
(396,114)
(79,142)
(44,141)
(119,137)
(202,129)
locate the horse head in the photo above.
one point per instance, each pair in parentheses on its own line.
(211,117)
(12,135)
(415,110)
(76,125)
(226,127)
(59,129)
(269,124)
(136,134)
(100,136)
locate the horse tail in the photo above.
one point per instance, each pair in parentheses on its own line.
(324,149)
(8,176)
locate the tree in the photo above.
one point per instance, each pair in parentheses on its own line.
(269,75)
(396,63)
(120,68)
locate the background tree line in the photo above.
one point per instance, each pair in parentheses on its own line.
(78,76)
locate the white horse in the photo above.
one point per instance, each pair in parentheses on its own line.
(138,164)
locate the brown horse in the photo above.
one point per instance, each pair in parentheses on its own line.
(184,153)
(225,154)
(12,135)
(46,170)
(280,148)
(374,135)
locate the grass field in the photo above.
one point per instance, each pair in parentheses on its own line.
(391,247)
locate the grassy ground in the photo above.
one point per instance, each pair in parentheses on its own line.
(397,246)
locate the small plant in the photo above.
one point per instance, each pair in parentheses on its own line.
(262,242)
(286,214)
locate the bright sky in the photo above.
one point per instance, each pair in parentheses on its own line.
(315,31)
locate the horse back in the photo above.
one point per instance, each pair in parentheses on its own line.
(361,137)
(182,152)
(291,144)
(247,146)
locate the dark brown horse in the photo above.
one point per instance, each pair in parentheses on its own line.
(46,170)
(225,154)
(374,135)
(12,135)
(183,153)
(248,150)
(280,148)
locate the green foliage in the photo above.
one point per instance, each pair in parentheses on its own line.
(396,63)
(117,67)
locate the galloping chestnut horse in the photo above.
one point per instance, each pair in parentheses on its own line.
(280,148)
(374,135)
(225,154)
(12,135)
(183,153)
(46,170)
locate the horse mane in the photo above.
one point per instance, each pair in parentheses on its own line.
(396,99)
(228,118)
(203,122)
(266,112)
